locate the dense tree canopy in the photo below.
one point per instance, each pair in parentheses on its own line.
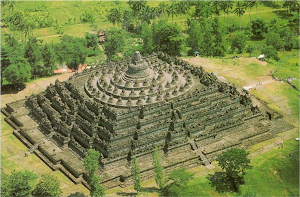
(72,51)
(270,52)
(167,38)
(234,160)
(91,161)
(34,55)
(147,36)
(18,72)
(238,42)
(259,28)
(17,184)
(115,42)
(48,185)
(178,181)
(206,37)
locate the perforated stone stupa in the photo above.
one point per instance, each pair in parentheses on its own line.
(124,109)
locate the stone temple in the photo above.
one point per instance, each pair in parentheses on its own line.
(124,109)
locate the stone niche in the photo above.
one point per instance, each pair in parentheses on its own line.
(125,109)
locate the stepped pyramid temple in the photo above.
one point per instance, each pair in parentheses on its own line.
(125,109)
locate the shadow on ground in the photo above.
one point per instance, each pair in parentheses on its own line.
(12,88)
(288,169)
(270,4)
(149,189)
(223,183)
(126,194)
(282,14)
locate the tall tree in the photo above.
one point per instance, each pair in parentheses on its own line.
(115,42)
(4,60)
(226,6)
(235,162)
(18,72)
(180,177)
(239,10)
(137,6)
(163,9)
(115,16)
(136,175)
(216,7)
(182,7)
(146,14)
(249,4)
(91,163)
(203,10)
(167,37)
(158,168)
(48,185)
(17,184)
(172,10)
(147,36)
(238,42)
(49,59)
(72,51)
(34,56)
(194,40)
(97,190)
(218,38)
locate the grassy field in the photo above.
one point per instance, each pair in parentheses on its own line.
(63,10)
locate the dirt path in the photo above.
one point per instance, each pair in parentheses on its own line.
(52,36)
(33,87)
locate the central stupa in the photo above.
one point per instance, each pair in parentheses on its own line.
(139,69)
(139,82)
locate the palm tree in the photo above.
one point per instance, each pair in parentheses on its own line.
(249,4)
(239,10)
(216,7)
(226,6)
(172,10)
(11,6)
(114,16)
(27,29)
(163,9)
(136,6)
(182,8)
(292,5)
(146,14)
(255,3)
